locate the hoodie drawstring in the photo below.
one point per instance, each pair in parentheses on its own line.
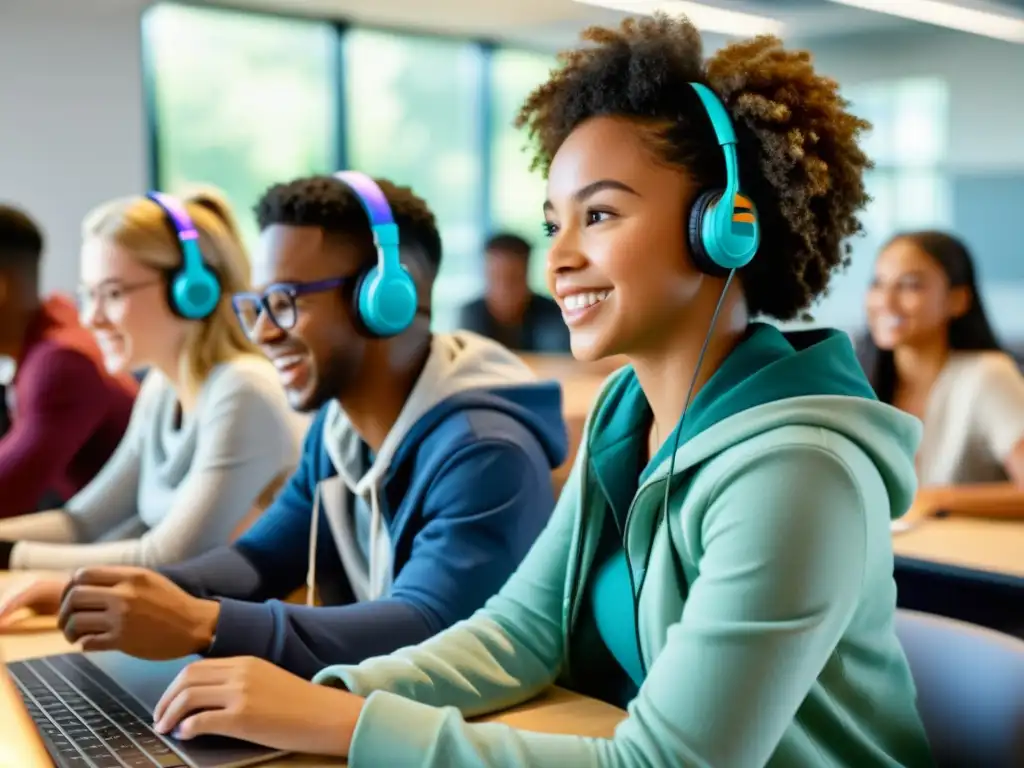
(314,531)
(376,586)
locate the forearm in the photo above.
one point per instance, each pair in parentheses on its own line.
(220,573)
(478,666)
(55,527)
(304,639)
(978,500)
(433,737)
(34,556)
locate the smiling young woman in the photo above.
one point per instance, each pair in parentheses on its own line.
(726,573)
(932,353)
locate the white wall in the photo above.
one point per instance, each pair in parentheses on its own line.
(985,130)
(983,75)
(72,127)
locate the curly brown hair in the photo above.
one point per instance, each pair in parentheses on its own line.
(797,145)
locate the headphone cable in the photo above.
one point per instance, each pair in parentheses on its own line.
(675,447)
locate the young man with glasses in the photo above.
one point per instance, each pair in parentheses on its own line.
(426,474)
(67,414)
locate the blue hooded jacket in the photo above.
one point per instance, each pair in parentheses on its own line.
(406,542)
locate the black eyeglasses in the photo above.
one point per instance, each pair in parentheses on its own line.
(278,300)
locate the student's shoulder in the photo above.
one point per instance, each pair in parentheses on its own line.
(58,359)
(491,436)
(246,378)
(981,370)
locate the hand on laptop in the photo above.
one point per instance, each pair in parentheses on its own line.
(40,594)
(136,611)
(251,699)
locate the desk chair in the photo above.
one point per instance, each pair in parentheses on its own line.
(970,689)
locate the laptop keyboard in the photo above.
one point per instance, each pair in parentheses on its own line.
(84,717)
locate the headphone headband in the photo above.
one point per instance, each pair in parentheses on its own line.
(194,289)
(724,229)
(176,214)
(386,295)
(372,197)
(720,120)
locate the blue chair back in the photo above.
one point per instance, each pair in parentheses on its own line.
(970,689)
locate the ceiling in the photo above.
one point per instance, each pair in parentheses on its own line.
(556,23)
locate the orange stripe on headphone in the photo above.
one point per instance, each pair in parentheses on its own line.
(747,218)
(742,202)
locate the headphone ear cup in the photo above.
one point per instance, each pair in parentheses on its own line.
(700,211)
(387,301)
(194,296)
(359,300)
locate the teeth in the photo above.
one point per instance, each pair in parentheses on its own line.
(282,363)
(577,301)
(890,321)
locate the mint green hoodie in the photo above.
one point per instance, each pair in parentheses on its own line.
(765,598)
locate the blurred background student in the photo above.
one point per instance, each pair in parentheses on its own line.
(64,414)
(509,311)
(211,431)
(932,353)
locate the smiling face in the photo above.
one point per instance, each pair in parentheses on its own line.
(618,264)
(322,354)
(124,304)
(910,301)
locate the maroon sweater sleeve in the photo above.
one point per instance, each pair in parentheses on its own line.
(61,398)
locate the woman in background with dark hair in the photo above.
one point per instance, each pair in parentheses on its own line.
(932,353)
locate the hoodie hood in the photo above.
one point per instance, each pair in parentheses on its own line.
(464,371)
(770,380)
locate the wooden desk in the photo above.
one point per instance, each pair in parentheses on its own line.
(556,711)
(990,546)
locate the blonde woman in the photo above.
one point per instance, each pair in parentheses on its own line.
(211,427)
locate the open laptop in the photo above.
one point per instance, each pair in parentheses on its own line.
(95,710)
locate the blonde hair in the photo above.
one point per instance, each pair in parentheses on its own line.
(141,228)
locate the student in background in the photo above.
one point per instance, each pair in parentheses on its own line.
(932,353)
(729,574)
(211,427)
(425,478)
(509,312)
(67,412)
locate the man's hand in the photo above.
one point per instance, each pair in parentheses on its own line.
(251,699)
(136,611)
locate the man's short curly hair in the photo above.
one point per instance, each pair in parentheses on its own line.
(327,203)
(798,154)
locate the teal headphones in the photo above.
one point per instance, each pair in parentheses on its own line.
(723,237)
(385,294)
(193,290)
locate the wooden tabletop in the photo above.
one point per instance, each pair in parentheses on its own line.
(555,711)
(981,544)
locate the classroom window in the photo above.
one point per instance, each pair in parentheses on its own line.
(413,114)
(241,100)
(517,193)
